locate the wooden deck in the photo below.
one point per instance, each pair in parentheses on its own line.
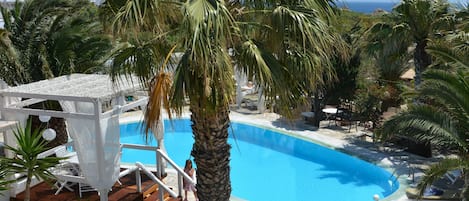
(125,192)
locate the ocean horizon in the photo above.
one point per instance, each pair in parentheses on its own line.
(366,7)
(370,6)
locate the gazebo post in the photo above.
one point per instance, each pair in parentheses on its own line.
(103,193)
(74,89)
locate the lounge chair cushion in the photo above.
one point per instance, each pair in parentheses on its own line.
(435,194)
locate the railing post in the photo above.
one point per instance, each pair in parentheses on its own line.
(159,165)
(180,182)
(161,193)
(138,180)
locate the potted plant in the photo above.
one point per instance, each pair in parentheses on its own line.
(4,190)
(26,160)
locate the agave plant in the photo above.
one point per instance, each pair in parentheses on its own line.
(26,160)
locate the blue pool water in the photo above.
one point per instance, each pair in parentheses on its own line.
(262,160)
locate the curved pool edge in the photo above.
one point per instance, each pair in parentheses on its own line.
(339,145)
(317,138)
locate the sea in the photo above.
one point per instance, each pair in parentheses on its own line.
(366,7)
(370,6)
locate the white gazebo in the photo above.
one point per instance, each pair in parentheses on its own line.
(91,105)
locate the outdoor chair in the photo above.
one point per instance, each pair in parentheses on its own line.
(453,176)
(347,117)
(66,167)
(61,172)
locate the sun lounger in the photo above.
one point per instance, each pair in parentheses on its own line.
(447,194)
(307,116)
(453,176)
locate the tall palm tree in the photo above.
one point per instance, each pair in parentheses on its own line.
(419,21)
(295,39)
(445,120)
(52,38)
(297,43)
(46,39)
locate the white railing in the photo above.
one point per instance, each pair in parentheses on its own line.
(181,174)
(160,166)
(161,185)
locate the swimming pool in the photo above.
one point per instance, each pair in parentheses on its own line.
(262,160)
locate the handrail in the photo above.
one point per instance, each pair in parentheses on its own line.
(138,146)
(160,155)
(153,178)
(178,169)
(141,167)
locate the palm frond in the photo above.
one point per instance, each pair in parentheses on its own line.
(427,124)
(452,51)
(436,171)
(206,29)
(452,89)
(300,27)
(159,97)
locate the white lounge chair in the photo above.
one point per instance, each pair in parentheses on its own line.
(453,175)
(63,172)
(65,168)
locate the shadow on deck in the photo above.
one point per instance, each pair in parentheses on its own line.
(125,192)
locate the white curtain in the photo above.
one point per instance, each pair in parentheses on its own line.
(241,80)
(21,118)
(83,133)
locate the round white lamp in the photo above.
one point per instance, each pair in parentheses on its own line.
(49,134)
(44,118)
(375,197)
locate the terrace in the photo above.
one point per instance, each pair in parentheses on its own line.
(390,157)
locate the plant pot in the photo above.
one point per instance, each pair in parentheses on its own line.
(5,195)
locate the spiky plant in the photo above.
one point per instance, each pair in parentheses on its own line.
(26,161)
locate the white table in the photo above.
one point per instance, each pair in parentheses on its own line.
(330,111)
(330,114)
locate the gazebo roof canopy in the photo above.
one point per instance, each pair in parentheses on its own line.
(94,128)
(84,87)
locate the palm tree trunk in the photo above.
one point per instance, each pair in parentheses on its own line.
(211,152)
(421,60)
(27,191)
(317,110)
(465,191)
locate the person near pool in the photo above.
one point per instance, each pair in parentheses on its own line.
(188,186)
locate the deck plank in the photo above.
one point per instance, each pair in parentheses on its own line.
(125,192)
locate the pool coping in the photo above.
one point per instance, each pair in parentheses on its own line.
(314,136)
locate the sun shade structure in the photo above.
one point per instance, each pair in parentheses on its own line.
(91,105)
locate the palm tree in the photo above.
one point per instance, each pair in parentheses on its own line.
(30,145)
(388,48)
(444,120)
(419,21)
(46,39)
(297,43)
